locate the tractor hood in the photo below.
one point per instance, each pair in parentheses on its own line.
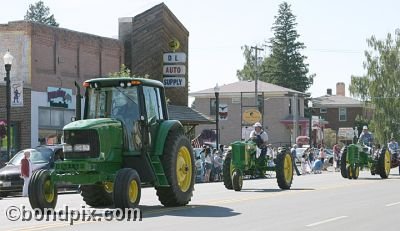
(92,124)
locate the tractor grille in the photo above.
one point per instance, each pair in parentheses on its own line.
(82,137)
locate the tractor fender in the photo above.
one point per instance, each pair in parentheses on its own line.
(163,130)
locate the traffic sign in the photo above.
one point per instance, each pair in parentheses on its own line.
(178,57)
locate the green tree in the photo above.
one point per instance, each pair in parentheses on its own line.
(124,71)
(247,73)
(40,13)
(380,86)
(285,65)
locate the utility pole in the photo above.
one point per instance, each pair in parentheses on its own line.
(256,74)
(295,117)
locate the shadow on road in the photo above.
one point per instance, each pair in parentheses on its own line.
(187,211)
(370,178)
(274,190)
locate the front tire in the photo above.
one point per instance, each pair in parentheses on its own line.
(178,163)
(356,172)
(97,195)
(227,171)
(384,163)
(237,180)
(349,171)
(284,170)
(42,191)
(127,189)
(343,170)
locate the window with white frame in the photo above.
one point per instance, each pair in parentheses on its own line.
(342,114)
(323,110)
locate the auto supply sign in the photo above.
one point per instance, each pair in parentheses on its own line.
(174,69)
(174,81)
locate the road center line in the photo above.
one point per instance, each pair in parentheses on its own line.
(396,203)
(326,221)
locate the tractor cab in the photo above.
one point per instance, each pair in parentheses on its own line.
(135,103)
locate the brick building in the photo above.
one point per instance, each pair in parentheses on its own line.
(49,60)
(280,109)
(338,110)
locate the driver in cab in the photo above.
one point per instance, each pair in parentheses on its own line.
(124,108)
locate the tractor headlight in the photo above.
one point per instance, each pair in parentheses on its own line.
(67,148)
(81,147)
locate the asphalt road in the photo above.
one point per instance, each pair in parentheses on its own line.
(315,202)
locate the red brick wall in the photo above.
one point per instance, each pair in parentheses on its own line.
(332,116)
(61,56)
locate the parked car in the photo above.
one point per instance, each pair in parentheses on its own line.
(42,157)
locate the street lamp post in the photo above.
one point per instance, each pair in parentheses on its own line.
(8,58)
(216,91)
(310,112)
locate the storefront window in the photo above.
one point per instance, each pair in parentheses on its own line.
(14,146)
(51,122)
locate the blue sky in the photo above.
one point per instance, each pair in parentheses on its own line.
(334,32)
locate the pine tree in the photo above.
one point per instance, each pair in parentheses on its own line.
(285,66)
(40,13)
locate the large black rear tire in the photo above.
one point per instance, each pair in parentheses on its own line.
(384,163)
(96,195)
(42,191)
(127,189)
(178,164)
(284,169)
(32,188)
(343,169)
(227,170)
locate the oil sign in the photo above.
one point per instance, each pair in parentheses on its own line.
(178,57)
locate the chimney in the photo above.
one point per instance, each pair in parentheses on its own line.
(329,91)
(340,89)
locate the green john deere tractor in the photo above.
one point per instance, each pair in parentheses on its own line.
(242,161)
(358,156)
(125,141)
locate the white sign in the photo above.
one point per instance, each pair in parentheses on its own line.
(223,111)
(17,93)
(174,70)
(174,81)
(178,57)
(346,133)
